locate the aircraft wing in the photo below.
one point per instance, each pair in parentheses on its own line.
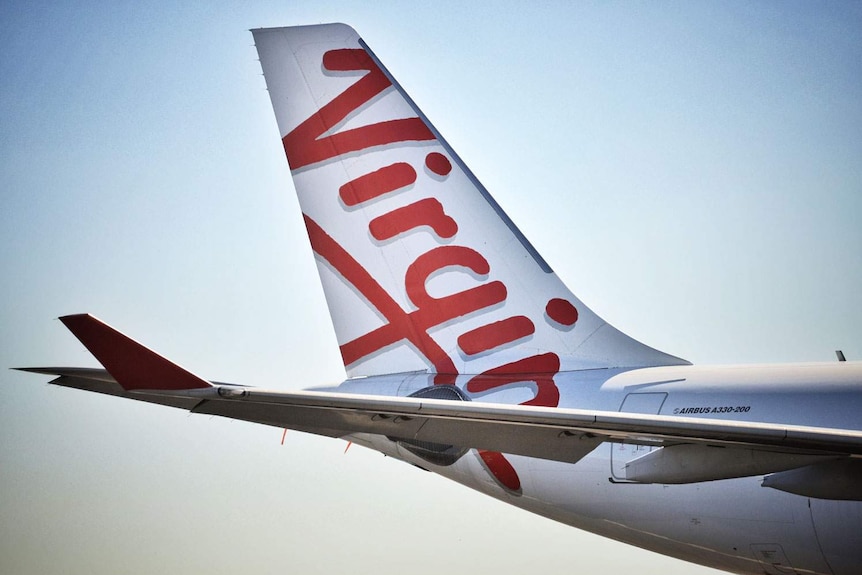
(565,435)
(547,433)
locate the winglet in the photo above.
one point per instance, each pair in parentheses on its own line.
(130,363)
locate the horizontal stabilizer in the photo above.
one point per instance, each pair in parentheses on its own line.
(131,364)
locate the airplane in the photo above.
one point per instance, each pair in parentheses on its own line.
(467,356)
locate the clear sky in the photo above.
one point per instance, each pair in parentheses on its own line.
(692,170)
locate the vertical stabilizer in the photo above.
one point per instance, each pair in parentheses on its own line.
(422,269)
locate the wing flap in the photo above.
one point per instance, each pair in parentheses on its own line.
(339,415)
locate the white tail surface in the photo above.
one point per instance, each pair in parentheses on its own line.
(421,268)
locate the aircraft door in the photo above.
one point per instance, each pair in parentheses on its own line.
(647,403)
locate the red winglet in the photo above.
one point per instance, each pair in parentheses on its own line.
(131,364)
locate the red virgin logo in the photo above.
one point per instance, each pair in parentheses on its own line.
(314,141)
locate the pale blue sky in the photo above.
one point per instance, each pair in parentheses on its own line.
(693,171)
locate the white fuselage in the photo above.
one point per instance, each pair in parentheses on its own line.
(732,524)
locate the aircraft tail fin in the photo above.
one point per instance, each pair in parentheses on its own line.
(132,365)
(422,269)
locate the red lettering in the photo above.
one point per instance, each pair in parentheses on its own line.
(413,326)
(495,334)
(431,311)
(304,145)
(540,369)
(377,183)
(441,258)
(501,469)
(562,311)
(438,163)
(427,212)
